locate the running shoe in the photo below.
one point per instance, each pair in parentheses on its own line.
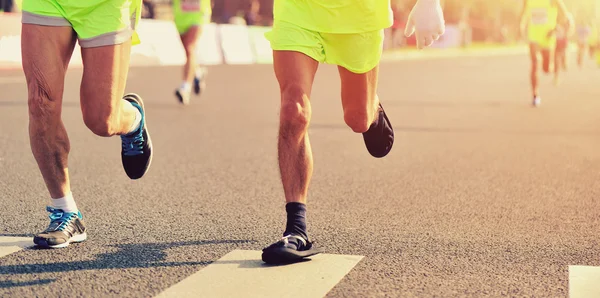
(183,96)
(290,249)
(537,101)
(136,151)
(199,81)
(65,228)
(379,139)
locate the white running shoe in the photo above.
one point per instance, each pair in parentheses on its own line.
(537,101)
(183,96)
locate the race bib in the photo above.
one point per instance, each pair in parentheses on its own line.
(539,16)
(190,5)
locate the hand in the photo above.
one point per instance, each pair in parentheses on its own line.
(427,20)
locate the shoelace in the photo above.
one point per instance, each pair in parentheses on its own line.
(59,220)
(286,239)
(133,145)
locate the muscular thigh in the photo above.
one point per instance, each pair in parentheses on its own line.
(359,91)
(104,76)
(46,52)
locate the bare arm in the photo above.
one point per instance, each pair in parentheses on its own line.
(524,18)
(562,9)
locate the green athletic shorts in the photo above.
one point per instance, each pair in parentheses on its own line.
(356,52)
(96,22)
(190,13)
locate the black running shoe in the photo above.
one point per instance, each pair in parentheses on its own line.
(65,228)
(379,139)
(136,151)
(197,85)
(290,249)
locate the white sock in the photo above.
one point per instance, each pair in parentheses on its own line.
(187,87)
(66,203)
(137,121)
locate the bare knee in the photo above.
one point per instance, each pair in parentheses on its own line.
(358,113)
(295,109)
(357,120)
(42,103)
(190,51)
(100,120)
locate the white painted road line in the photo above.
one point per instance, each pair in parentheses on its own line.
(584,281)
(241,273)
(10,245)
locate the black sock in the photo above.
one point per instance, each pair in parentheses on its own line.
(296,219)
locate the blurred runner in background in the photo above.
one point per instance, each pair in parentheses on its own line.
(584,33)
(190,16)
(594,41)
(564,29)
(539,19)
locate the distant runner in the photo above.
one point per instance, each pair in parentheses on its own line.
(190,16)
(539,20)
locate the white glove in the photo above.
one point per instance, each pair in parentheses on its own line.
(427,20)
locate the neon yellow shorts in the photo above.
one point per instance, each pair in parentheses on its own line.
(358,53)
(540,38)
(96,22)
(185,21)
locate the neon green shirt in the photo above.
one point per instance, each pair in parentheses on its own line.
(335,16)
(543,16)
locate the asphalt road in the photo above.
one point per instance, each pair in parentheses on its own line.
(482,195)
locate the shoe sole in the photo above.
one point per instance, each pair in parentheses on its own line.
(75,239)
(140,102)
(284,255)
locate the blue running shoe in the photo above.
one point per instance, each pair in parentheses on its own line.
(136,151)
(65,228)
(197,86)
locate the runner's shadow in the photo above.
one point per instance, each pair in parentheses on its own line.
(134,255)
(14,284)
